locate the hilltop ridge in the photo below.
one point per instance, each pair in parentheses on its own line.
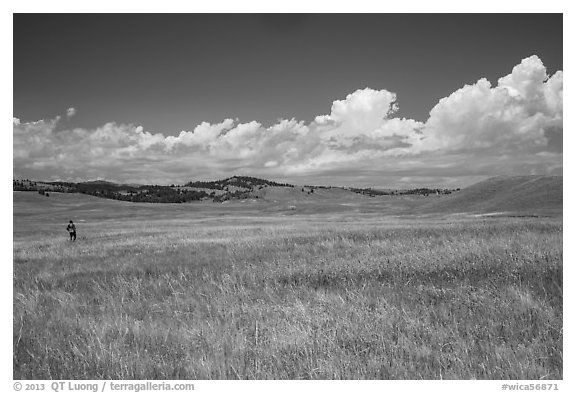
(247,182)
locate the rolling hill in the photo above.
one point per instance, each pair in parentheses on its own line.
(512,195)
(504,195)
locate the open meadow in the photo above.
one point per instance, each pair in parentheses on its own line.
(253,290)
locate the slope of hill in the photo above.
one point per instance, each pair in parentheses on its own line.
(304,193)
(524,195)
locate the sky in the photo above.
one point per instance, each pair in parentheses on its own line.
(370,100)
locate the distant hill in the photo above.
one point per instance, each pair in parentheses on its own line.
(304,193)
(238,182)
(511,195)
(522,195)
(236,187)
(98,182)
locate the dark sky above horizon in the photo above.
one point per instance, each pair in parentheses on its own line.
(391,100)
(170,72)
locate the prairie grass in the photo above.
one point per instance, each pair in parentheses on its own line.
(305,297)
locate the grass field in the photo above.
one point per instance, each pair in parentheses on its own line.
(249,291)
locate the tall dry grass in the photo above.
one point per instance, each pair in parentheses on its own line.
(292,298)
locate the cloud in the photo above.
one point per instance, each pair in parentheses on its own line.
(363,123)
(203,136)
(519,114)
(70,112)
(479,130)
(362,110)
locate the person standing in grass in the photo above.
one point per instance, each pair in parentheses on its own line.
(71,228)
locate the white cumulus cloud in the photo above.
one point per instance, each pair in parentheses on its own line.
(479,130)
(516,114)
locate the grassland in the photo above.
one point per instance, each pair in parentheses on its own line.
(249,291)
